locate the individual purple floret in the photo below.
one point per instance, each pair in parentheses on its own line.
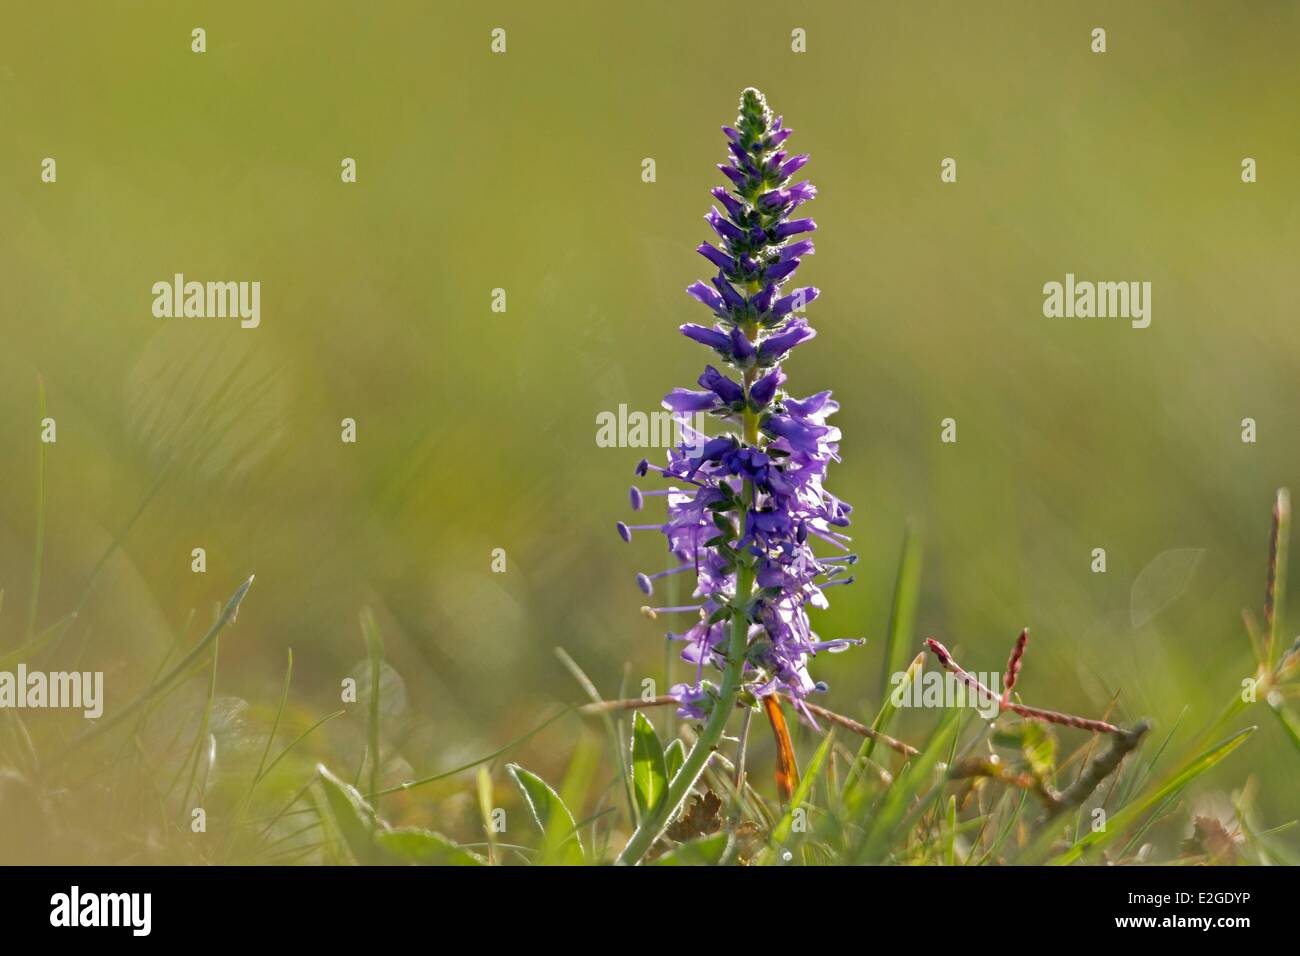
(745,510)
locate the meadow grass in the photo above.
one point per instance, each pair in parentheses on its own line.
(970,791)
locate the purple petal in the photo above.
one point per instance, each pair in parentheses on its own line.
(793,228)
(779,270)
(797,250)
(764,390)
(721,386)
(795,300)
(685,400)
(777,345)
(732,205)
(713,338)
(723,227)
(793,165)
(801,435)
(741,347)
(717,257)
(702,293)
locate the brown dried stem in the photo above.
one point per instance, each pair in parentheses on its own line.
(1004,704)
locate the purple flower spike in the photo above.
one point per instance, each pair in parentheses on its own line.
(747,516)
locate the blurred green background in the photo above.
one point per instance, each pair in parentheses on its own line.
(477,429)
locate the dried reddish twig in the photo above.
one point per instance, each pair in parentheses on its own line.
(848,723)
(1004,704)
(631,703)
(1013,665)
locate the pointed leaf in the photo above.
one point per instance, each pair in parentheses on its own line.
(674,757)
(649,771)
(559,829)
(355,818)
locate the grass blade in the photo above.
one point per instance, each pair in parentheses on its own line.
(1129,815)
(902,611)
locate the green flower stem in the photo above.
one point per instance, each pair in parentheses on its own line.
(654,823)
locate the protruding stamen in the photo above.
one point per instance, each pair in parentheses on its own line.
(625,530)
(638,497)
(830,540)
(837,645)
(643,581)
(653,612)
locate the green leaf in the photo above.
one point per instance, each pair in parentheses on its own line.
(674,757)
(355,818)
(705,851)
(424,848)
(559,830)
(649,771)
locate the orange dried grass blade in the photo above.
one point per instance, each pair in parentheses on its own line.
(787,774)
